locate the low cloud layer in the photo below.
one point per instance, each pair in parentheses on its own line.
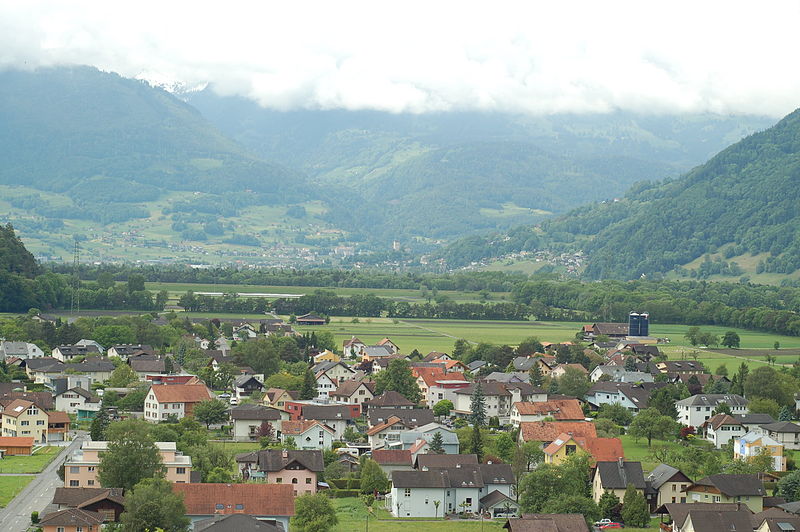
(532,57)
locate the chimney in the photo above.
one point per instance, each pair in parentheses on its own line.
(285,454)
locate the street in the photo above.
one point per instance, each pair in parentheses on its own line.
(16,517)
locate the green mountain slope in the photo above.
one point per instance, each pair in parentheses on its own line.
(740,204)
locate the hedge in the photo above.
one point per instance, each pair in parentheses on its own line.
(339,494)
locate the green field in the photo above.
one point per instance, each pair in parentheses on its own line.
(29,464)
(11,486)
(352,516)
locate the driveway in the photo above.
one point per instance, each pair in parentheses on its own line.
(16,517)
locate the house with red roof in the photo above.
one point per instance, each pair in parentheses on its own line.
(558,409)
(262,501)
(600,449)
(174,400)
(546,432)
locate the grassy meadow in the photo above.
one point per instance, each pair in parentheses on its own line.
(10,486)
(29,464)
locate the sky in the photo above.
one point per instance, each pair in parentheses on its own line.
(535,57)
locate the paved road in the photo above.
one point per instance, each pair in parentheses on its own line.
(16,517)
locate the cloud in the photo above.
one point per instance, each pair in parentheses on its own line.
(530,57)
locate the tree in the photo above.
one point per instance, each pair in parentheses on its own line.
(691,335)
(122,376)
(574,383)
(476,442)
(309,389)
(314,513)
(211,411)
(442,408)
(152,505)
(760,405)
(373,479)
(436,445)
(536,377)
(131,456)
(776,345)
(135,283)
(785,414)
(266,430)
(635,512)
(769,383)
(789,486)
(722,370)
(731,339)
(630,363)
(398,377)
(219,475)
(651,424)
(663,401)
(504,445)
(609,505)
(616,413)
(478,406)
(722,408)
(460,349)
(100,423)
(739,379)
(573,504)
(569,479)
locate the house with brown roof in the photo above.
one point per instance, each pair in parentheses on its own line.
(547,431)
(666,484)
(277,398)
(263,501)
(108,502)
(776,520)
(71,520)
(746,489)
(298,469)
(391,346)
(308,434)
(174,400)
(612,330)
(499,396)
(412,418)
(352,347)
(721,428)
(237,523)
(561,369)
(248,418)
(547,523)
(11,446)
(310,319)
(354,392)
(389,399)
(58,424)
(392,460)
(599,449)
(23,418)
(558,409)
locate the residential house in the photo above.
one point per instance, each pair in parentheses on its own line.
(547,431)
(174,400)
(418,438)
(277,398)
(85,342)
(558,409)
(310,319)
(411,417)
(514,376)
(335,371)
(269,502)
(108,502)
(424,462)
(23,418)
(15,446)
(58,424)
(776,520)
(65,353)
(784,432)
(499,505)
(308,434)
(325,385)
(499,397)
(633,396)
(43,400)
(40,370)
(248,418)
(685,367)
(476,365)
(678,514)
(435,355)
(80,469)
(615,477)
(561,369)
(726,488)
(352,347)
(599,449)
(443,388)
(694,410)
(711,521)
(619,374)
(71,520)
(327,356)
(666,484)
(146,365)
(280,466)
(753,422)
(95,368)
(388,344)
(392,460)
(547,523)
(459,489)
(124,351)
(245,386)
(382,434)
(337,417)
(79,402)
(62,383)
(753,444)
(23,350)
(354,392)
(722,428)
(389,399)
(237,523)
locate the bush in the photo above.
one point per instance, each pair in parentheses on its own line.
(34,517)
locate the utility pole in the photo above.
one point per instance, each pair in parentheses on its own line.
(75,300)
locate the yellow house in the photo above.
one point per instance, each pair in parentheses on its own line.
(277,398)
(22,418)
(600,449)
(327,356)
(751,445)
(746,489)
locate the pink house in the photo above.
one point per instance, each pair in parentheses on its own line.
(276,466)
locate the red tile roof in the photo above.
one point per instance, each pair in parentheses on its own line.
(58,417)
(16,407)
(299,427)
(388,423)
(181,393)
(257,499)
(392,457)
(11,441)
(560,409)
(605,449)
(549,430)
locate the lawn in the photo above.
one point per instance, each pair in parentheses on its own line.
(29,464)
(11,486)
(238,447)
(639,452)
(352,513)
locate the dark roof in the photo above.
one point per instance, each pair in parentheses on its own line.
(716,521)
(496,497)
(72,517)
(444,461)
(754,419)
(548,523)
(734,485)
(411,417)
(254,411)
(78,350)
(499,388)
(85,394)
(129,349)
(663,473)
(75,497)
(147,366)
(389,398)
(236,523)
(421,479)
(791,507)
(274,460)
(773,502)
(713,399)
(614,475)
(611,329)
(327,412)
(781,426)
(638,393)
(468,475)
(241,380)
(39,363)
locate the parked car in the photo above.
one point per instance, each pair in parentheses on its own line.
(609,526)
(602,522)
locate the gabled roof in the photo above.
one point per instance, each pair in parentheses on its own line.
(663,473)
(389,398)
(327,412)
(733,485)
(352,341)
(241,380)
(348,388)
(411,417)
(257,499)
(548,523)
(236,523)
(445,461)
(390,422)
(421,479)
(72,517)
(275,460)
(616,475)
(392,457)
(713,399)
(718,420)
(15,441)
(58,417)
(75,497)
(147,366)
(715,521)
(83,393)
(781,426)
(547,431)
(679,511)
(560,409)
(255,412)
(611,329)
(754,419)
(499,388)
(17,407)
(181,393)
(295,428)
(496,497)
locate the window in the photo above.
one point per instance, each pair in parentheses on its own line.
(294,481)
(240,506)
(407,492)
(91,468)
(181,471)
(469,500)
(279,480)
(73,484)
(90,482)
(74,469)
(25,423)
(60,529)
(571,449)
(308,480)
(40,422)
(674,488)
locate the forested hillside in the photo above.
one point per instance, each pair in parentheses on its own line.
(741,203)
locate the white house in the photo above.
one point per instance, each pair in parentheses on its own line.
(352,347)
(248,418)
(74,399)
(308,434)
(784,432)
(438,492)
(124,351)
(619,374)
(499,397)
(65,353)
(722,428)
(337,371)
(634,397)
(694,410)
(325,386)
(174,400)
(23,350)
(354,392)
